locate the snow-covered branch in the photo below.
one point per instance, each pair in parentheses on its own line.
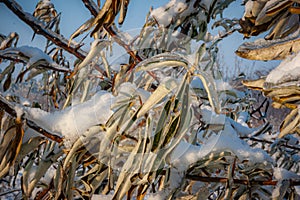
(39,28)
(9,108)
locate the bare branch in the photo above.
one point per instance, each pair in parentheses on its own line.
(39,28)
(9,108)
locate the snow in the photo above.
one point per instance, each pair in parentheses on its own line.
(186,154)
(176,9)
(281,174)
(19,111)
(75,120)
(230,141)
(288,70)
(34,54)
(210,117)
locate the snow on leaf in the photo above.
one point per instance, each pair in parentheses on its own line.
(287,71)
(262,49)
(32,56)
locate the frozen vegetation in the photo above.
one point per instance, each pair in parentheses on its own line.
(157,123)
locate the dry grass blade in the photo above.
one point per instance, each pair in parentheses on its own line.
(50,156)
(123,11)
(45,11)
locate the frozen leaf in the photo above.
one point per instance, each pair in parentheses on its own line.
(163,90)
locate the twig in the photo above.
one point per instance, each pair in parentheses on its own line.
(9,191)
(41,65)
(237,181)
(259,109)
(39,28)
(270,142)
(8,107)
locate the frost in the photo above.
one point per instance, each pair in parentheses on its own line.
(96,47)
(283,174)
(186,154)
(276,49)
(19,111)
(248,9)
(175,9)
(287,71)
(33,55)
(128,90)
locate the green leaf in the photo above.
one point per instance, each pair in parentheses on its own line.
(164,117)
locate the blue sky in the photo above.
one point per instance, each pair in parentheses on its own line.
(74,14)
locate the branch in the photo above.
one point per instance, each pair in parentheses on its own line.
(237,181)
(40,65)
(271,142)
(9,108)
(39,28)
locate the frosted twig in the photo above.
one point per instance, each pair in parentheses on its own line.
(9,108)
(92,7)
